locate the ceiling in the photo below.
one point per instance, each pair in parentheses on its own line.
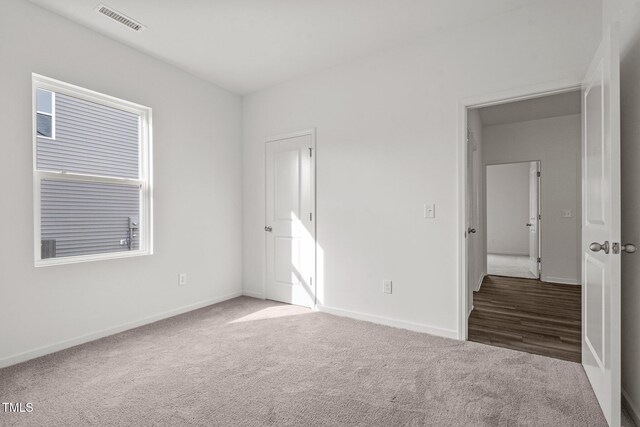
(562,104)
(247,45)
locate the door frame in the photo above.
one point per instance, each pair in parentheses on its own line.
(539,196)
(496,98)
(279,137)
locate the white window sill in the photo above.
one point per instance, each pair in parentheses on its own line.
(88,258)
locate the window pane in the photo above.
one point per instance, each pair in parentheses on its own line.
(82,218)
(43,101)
(91,138)
(45,127)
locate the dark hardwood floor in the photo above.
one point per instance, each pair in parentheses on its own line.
(528,315)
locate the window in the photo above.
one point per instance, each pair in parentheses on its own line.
(91,176)
(45,121)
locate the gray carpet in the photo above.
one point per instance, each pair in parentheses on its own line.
(247,362)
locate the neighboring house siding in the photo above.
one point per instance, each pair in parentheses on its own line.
(88,217)
(92,139)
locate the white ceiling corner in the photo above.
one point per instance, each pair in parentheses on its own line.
(245,46)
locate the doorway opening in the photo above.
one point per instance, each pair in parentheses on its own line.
(523,240)
(600,245)
(513,219)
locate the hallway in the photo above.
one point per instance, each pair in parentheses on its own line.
(528,315)
(509,265)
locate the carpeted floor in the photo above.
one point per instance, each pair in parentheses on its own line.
(248,362)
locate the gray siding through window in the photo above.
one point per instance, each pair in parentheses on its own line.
(87,217)
(92,139)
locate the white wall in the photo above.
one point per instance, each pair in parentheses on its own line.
(508,209)
(387,143)
(627,12)
(630,150)
(556,143)
(197,178)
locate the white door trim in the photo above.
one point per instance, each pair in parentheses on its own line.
(518,94)
(311,132)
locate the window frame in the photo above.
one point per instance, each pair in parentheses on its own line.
(144,180)
(52,115)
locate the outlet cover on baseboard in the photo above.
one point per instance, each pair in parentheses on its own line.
(387,286)
(182,279)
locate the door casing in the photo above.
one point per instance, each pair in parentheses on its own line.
(497,98)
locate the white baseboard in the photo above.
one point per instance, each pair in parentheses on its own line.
(633,411)
(479,285)
(61,345)
(402,324)
(253,294)
(561,280)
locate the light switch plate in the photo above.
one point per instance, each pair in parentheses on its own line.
(387,286)
(567,213)
(182,279)
(429,210)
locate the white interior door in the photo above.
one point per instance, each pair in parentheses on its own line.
(471,232)
(290,219)
(601,227)
(534,221)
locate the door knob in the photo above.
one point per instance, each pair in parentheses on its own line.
(471,230)
(269,229)
(597,247)
(628,248)
(529,224)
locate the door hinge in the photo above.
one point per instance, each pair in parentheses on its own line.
(538,174)
(310,152)
(310,216)
(539,216)
(539,259)
(310,281)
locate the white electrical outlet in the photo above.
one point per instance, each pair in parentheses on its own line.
(387,286)
(182,279)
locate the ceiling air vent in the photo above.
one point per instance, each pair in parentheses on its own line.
(119,17)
